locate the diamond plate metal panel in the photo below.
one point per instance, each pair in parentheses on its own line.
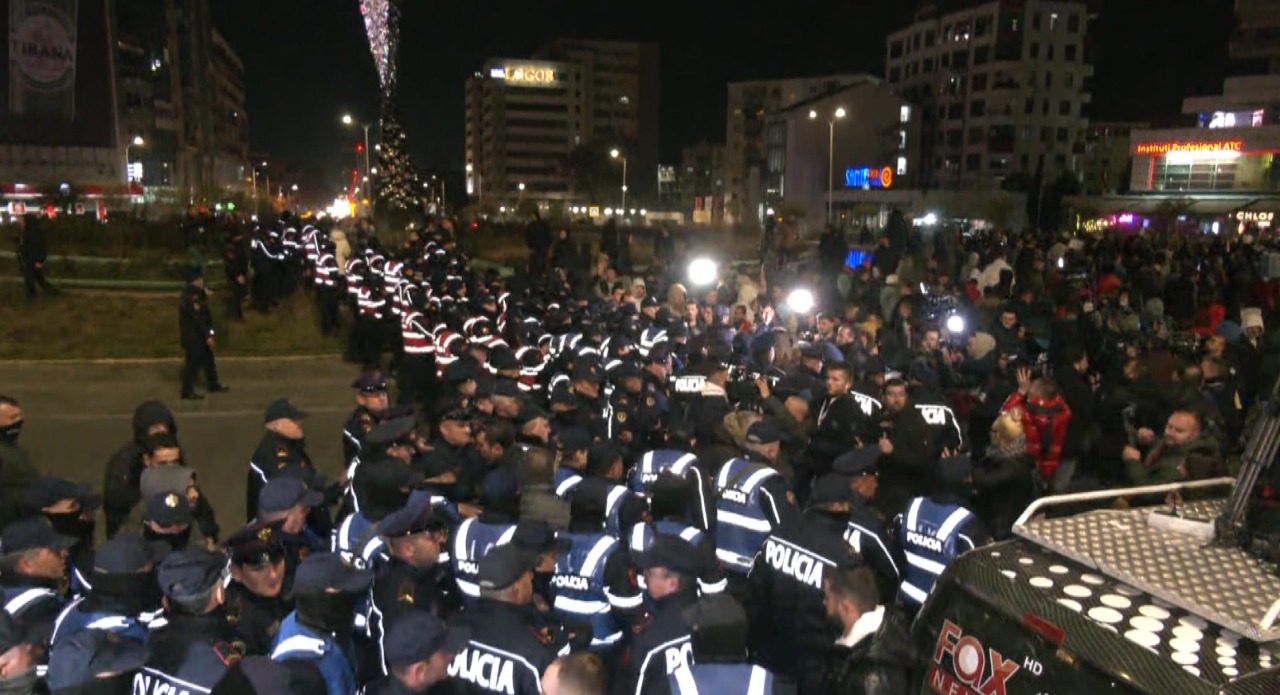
(1225,586)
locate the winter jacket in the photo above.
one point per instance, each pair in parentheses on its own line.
(1045,421)
(120,491)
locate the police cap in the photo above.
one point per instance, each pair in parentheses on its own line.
(284,492)
(457,415)
(88,654)
(503,358)
(861,461)
(414,635)
(563,397)
(259,544)
(458,372)
(536,536)
(529,413)
(500,484)
(127,553)
(32,533)
(11,633)
(168,509)
(50,490)
(717,612)
(282,409)
(373,381)
(388,473)
(506,388)
(671,552)
(575,439)
(157,479)
(586,370)
(831,488)
(503,566)
(658,354)
(415,517)
(626,370)
(189,573)
(390,431)
(648,301)
(763,432)
(322,572)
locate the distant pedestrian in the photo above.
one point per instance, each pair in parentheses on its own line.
(32,253)
(235,262)
(195,324)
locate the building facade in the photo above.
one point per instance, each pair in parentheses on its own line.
(523,121)
(746,160)
(1257,35)
(1106,158)
(1232,149)
(1003,87)
(534,121)
(860,140)
(701,183)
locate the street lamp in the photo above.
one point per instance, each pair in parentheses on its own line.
(831,148)
(348,120)
(618,155)
(294,188)
(136,142)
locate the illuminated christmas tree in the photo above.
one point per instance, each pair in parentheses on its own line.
(396,182)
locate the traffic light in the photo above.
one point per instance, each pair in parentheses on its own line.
(359,147)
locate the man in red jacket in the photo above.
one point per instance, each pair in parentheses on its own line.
(1044,416)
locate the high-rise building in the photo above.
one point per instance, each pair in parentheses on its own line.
(230,122)
(524,120)
(533,121)
(746,164)
(620,90)
(1257,34)
(1003,87)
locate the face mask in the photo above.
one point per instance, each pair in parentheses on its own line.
(11,432)
(73,524)
(175,541)
(327,612)
(21,684)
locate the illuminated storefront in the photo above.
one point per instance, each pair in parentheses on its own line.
(1188,160)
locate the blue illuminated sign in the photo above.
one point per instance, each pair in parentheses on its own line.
(868,177)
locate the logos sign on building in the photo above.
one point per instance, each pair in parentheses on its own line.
(42,59)
(1162,148)
(868,177)
(531,75)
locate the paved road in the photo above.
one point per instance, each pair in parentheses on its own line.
(78,414)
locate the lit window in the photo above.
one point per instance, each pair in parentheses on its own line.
(904,115)
(1053,20)
(625,99)
(902,166)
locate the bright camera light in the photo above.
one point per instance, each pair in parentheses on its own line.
(930,219)
(702,271)
(800,301)
(955,323)
(1061,263)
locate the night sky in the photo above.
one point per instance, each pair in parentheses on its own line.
(307,61)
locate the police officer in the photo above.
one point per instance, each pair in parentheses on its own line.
(235,263)
(593,576)
(319,631)
(288,505)
(123,599)
(937,528)
(671,504)
(385,485)
(70,507)
(718,633)
(915,432)
(412,576)
(328,291)
(660,642)
(867,532)
(789,619)
(590,404)
(256,601)
(420,648)
(394,438)
(94,662)
(684,466)
(473,538)
(195,646)
(575,447)
(752,500)
(196,328)
(511,645)
(33,575)
(281,451)
(371,403)
(624,508)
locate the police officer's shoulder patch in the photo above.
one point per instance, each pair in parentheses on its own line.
(542,634)
(622,416)
(649,401)
(282,452)
(229,652)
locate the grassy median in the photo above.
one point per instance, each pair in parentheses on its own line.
(98,325)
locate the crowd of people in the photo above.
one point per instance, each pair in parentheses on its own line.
(600,480)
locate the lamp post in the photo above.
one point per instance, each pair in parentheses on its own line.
(348,120)
(831,148)
(136,142)
(614,153)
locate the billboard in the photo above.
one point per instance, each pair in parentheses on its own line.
(58,82)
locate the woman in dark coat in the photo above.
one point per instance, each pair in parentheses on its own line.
(1002,480)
